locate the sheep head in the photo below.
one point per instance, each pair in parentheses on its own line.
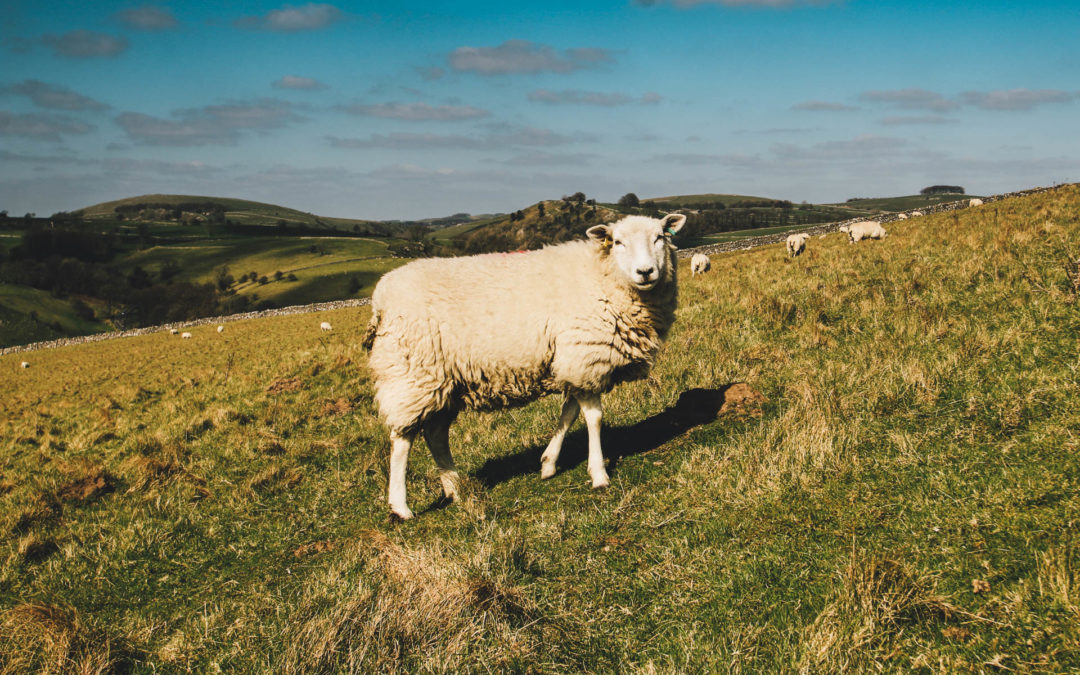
(640,247)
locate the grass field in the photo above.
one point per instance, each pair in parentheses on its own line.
(735,235)
(897,491)
(18,327)
(908,203)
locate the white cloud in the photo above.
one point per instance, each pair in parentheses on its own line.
(911,98)
(290,19)
(1015,99)
(524,57)
(213,124)
(597,98)
(415,112)
(84,44)
(53,96)
(823,106)
(148,17)
(41,126)
(297,82)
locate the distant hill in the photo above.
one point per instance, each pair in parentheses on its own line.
(161,209)
(906,203)
(546,222)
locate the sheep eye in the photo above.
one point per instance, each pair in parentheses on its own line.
(618,243)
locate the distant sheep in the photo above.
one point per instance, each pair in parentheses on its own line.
(24,364)
(186,336)
(866,229)
(173,331)
(495,331)
(916,214)
(221,329)
(325,326)
(796,243)
(901,216)
(975,202)
(700,264)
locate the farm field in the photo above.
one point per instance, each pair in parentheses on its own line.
(892,485)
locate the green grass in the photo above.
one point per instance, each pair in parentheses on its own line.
(17,326)
(904,500)
(735,235)
(679,200)
(907,203)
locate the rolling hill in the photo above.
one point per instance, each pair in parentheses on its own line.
(889,487)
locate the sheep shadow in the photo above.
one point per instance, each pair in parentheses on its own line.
(694,407)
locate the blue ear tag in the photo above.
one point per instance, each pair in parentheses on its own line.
(668,232)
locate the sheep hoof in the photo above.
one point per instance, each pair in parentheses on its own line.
(600,482)
(400,515)
(547,470)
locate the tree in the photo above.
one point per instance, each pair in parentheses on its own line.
(629,199)
(222,278)
(278,274)
(576,197)
(354,284)
(540,209)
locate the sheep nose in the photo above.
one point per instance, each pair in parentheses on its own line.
(646,272)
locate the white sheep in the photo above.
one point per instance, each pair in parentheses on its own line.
(700,264)
(221,329)
(186,336)
(24,364)
(901,216)
(325,326)
(866,229)
(173,331)
(796,243)
(496,330)
(975,202)
(916,214)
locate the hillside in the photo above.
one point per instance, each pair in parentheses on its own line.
(893,489)
(906,203)
(545,222)
(191,209)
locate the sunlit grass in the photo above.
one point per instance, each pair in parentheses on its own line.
(902,499)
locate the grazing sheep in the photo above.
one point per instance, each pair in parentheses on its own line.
(186,336)
(866,229)
(325,326)
(796,243)
(494,331)
(700,264)
(901,216)
(975,202)
(173,331)
(221,329)
(916,214)
(24,364)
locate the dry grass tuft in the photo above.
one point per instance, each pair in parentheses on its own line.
(416,609)
(339,407)
(284,385)
(32,548)
(93,483)
(876,598)
(38,638)
(42,508)
(276,477)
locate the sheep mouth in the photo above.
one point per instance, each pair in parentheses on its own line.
(646,285)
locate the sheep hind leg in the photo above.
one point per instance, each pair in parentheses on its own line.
(569,413)
(400,444)
(437,435)
(594,413)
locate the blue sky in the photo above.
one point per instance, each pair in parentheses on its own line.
(416,109)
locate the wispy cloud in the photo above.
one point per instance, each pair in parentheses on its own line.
(598,98)
(858,148)
(415,112)
(916,119)
(1016,99)
(430,73)
(297,82)
(823,106)
(84,44)
(41,126)
(53,96)
(764,4)
(147,17)
(497,136)
(290,19)
(214,124)
(911,98)
(524,57)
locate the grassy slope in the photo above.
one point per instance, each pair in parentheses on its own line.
(16,326)
(906,203)
(238,210)
(903,502)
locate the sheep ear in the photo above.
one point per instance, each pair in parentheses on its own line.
(600,233)
(673,222)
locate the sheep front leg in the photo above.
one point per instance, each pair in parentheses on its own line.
(437,435)
(594,413)
(569,413)
(399,460)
